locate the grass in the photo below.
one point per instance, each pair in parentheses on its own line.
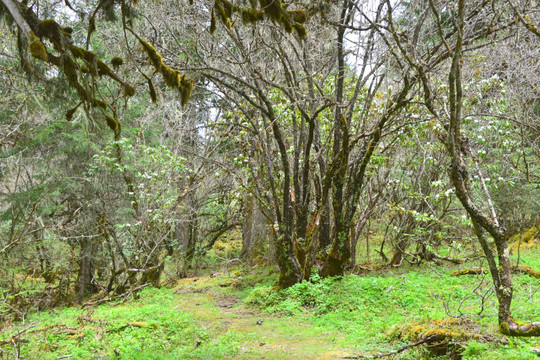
(238,314)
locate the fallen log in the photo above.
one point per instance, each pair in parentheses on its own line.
(520,269)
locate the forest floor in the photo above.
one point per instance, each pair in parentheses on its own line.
(236,313)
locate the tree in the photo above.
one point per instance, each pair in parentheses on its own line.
(310,129)
(502,275)
(313,132)
(462,32)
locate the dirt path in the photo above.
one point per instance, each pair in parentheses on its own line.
(261,336)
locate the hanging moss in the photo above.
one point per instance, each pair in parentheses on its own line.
(70,113)
(186,89)
(71,58)
(173,78)
(113,124)
(151,89)
(103,69)
(91,26)
(300,30)
(250,16)
(286,24)
(152,53)
(223,12)
(99,103)
(48,26)
(273,9)
(129,90)
(89,56)
(227,8)
(298,16)
(70,69)
(77,51)
(37,50)
(117,61)
(53,31)
(212,22)
(108,10)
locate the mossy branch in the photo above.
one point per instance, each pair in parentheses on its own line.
(269,9)
(72,60)
(516,269)
(173,77)
(519,329)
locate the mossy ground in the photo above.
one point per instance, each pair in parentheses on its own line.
(236,313)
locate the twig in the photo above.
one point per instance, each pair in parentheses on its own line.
(124,295)
(17,335)
(381,355)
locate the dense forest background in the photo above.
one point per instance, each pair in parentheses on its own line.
(144,142)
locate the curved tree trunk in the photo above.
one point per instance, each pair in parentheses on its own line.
(457,148)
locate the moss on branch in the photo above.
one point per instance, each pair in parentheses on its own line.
(521,269)
(173,78)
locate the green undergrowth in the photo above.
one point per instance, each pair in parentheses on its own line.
(368,311)
(152,327)
(237,313)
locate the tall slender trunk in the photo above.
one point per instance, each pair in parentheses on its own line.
(85,285)
(502,276)
(340,250)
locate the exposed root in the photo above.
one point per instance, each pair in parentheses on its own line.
(516,328)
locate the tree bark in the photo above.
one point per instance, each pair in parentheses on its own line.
(15,11)
(502,276)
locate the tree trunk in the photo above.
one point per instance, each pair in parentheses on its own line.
(192,234)
(247,231)
(456,145)
(85,284)
(256,244)
(290,272)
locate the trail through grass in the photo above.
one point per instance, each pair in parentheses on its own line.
(239,315)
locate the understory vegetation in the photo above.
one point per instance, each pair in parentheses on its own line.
(221,314)
(269,178)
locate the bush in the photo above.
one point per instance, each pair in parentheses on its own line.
(307,294)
